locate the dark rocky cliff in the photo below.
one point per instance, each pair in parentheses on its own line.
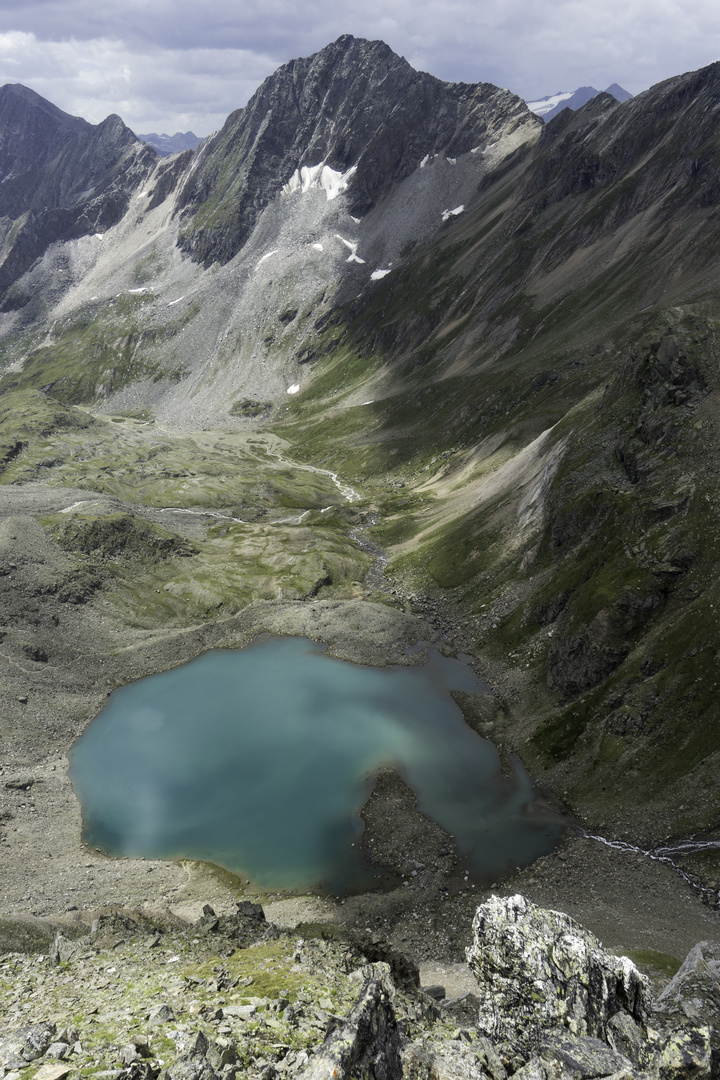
(61,178)
(353,104)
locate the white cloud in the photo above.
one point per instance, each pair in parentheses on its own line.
(153,89)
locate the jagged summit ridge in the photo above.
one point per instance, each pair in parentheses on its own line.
(171,144)
(355,104)
(48,158)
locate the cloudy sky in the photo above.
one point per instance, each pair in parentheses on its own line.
(169,65)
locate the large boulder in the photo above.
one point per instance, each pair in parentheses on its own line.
(539,970)
(692,997)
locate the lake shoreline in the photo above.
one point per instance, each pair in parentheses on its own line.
(45,868)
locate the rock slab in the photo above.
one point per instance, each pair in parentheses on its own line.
(538,969)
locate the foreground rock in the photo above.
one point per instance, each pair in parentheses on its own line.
(549,992)
(539,969)
(229,996)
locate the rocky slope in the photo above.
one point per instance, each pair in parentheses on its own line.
(540,383)
(337,164)
(355,108)
(61,178)
(140,994)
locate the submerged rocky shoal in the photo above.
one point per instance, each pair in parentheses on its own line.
(136,996)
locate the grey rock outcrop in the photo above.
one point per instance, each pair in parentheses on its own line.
(694,992)
(538,970)
(26,1044)
(692,997)
(194,1064)
(367,1043)
(582,1056)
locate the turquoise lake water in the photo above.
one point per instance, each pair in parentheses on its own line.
(258,760)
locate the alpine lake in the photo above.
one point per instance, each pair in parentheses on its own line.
(260,760)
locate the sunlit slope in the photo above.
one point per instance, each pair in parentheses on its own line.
(539,387)
(167,530)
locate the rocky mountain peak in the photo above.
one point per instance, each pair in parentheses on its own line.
(355,104)
(69,177)
(45,153)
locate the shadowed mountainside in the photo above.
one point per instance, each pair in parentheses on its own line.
(544,390)
(61,178)
(354,105)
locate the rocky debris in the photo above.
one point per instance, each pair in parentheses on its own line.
(25,933)
(397,836)
(582,1056)
(160,1014)
(194,1007)
(452,1061)
(193,1065)
(694,992)
(539,969)
(245,926)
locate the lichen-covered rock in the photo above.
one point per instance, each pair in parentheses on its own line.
(685,1055)
(194,1064)
(452,1060)
(692,997)
(694,992)
(582,1057)
(26,1044)
(246,925)
(627,1037)
(539,969)
(367,1043)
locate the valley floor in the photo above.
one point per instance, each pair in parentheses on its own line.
(62,652)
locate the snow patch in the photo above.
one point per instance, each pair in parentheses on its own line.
(98,236)
(546,104)
(317,247)
(142,290)
(267,255)
(378,274)
(424,161)
(446,214)
(332,182)
(452,160)
(353,246)
(293,389)
(173,302)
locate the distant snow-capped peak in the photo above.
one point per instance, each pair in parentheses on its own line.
(550,106)
(544,105)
